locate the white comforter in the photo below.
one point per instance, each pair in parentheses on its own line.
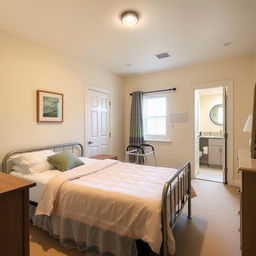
(120,197)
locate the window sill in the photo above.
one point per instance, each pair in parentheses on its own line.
(158,140)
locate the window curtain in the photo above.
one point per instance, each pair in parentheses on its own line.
(136,123)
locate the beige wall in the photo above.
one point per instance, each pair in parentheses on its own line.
(26,67)
(255,66)
(207,102)
(240,70)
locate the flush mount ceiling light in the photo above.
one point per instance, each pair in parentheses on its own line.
(129,18)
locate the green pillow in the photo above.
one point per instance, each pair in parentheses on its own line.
(64,161)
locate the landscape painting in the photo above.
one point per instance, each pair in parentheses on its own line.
(49,106)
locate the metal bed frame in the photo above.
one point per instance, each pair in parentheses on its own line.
(175,194)
(64,147)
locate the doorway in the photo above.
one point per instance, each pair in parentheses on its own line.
(98,135)
(210,134)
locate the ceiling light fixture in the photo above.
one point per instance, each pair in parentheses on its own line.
(129,18)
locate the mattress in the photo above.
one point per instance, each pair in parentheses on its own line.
(42,178)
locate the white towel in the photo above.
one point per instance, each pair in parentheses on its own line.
(205,150)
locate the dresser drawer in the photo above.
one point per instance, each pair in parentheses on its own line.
(248,213)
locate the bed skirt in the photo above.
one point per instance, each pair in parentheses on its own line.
(92,241)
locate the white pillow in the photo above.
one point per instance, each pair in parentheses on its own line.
(34,162)
(16,168)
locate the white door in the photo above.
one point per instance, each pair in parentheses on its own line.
(98,123)
(197,131)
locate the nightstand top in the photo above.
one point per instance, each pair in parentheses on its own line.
(103,156)
(246,163)
(10,183)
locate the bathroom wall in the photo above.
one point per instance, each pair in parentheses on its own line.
(207,102)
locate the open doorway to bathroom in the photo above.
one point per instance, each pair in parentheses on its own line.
(210,134)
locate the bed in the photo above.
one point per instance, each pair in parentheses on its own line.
(107,206)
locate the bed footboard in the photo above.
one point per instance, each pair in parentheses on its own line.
(176,192)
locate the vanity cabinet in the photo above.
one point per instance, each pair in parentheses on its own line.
(215,152)
(212,156)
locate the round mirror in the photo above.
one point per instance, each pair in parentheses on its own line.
(216,114)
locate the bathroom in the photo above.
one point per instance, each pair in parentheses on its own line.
(209,137)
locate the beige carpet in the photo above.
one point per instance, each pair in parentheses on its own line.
(210,174)
(213,230)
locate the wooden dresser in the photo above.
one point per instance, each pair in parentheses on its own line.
(247,166)
(14,215)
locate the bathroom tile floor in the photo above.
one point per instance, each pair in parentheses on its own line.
(207,173)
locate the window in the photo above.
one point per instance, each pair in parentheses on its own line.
(155,117)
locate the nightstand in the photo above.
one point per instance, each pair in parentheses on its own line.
(102,157)
(14,215)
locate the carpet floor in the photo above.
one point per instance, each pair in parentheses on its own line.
(213,230)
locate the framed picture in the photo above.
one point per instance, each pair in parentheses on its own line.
(49,106)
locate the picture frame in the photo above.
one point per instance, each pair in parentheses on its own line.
(49,107)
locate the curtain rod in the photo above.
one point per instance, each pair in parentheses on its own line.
(164,90)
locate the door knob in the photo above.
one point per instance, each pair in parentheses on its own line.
(90,142)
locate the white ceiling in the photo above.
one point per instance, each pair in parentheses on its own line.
(192,31)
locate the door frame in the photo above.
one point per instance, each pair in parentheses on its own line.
(197,118)
(229,104)
(101,90)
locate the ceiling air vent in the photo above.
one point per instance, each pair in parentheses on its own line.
(162,55)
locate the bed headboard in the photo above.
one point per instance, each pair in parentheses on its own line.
(74,147)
